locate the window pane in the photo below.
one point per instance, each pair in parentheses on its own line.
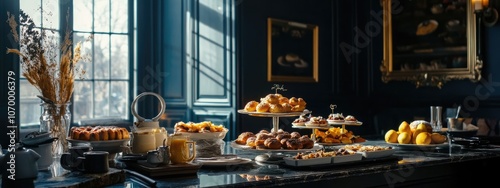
(101,16)
(50,17)
(118,99)
(101,56)
(119,16)
(82,15)
(101,99)
(32,8)
(119,56)
(30,104)
(82,97)
(85,63)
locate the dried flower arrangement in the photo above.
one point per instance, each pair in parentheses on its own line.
(53,77)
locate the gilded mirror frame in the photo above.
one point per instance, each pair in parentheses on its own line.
(415,65)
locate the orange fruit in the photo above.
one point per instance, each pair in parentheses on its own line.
(423,138)
(391,136)
(404,127)
(437,138)
(404,137)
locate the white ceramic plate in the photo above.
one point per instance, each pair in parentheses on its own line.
(224,162)
(111,146)
(245,147)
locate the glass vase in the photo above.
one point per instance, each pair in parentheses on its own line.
(56,119)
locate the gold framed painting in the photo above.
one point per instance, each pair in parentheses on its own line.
(430,43)
(292,51)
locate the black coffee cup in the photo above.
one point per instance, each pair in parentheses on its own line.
(94,162)
(70,161)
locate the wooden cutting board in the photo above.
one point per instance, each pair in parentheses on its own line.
(78,179)
(190,169)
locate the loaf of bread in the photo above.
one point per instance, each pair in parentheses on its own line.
(99,133)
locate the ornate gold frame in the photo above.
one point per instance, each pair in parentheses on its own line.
(429,77)
(310,49)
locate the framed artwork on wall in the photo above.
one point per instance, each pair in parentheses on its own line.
(430,42)
(292,51)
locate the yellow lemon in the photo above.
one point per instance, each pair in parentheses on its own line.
(414,135)
(422,127)
(438,138)
(404,127)
(423,138)
(391,136)
(404,137)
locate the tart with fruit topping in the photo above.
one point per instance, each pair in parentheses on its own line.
(337,117)
(301,120)
(317,121)
(350,118)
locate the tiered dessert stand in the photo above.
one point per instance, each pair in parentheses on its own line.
(330,125)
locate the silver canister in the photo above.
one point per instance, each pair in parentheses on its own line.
(165,152)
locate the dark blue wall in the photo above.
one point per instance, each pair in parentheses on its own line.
(353,83)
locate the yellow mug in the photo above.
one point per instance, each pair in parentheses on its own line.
(180,149)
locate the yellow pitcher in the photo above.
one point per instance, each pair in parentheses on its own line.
(182,150)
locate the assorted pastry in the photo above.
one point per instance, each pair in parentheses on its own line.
(275,140)
(365,148)
(276,103)
(301,120)
(322,153)
(316,121)
(335,135)
(202,127)
(99,133)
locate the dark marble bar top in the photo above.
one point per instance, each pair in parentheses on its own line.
(405,167)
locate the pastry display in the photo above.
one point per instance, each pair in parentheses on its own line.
(335,135)
(275,140)
(202,127)
(99,133)
(276,103)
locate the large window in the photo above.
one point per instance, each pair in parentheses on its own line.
(104,90)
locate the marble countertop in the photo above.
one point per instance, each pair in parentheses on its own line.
(272,175)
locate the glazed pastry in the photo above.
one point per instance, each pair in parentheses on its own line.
(276,108)
(242,138)
(261,138)
(293,101)
(263,131)
(263,107)
(295,135)
(283,142)
(272,143)
(298,108)
(251,141)
(293,143)
(272,99)
(281,136)
(99,133)
(301,102)
(251,106)
(307,143)
(286,107)
(283,100)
